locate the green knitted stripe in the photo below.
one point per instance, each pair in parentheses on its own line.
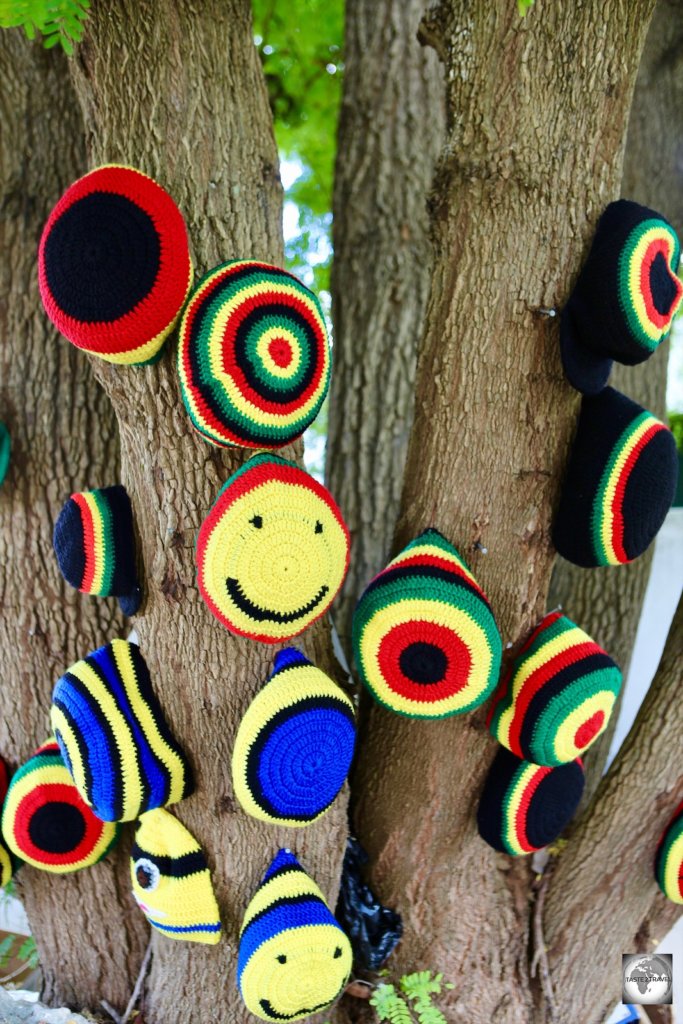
(623,282)
(548,723)
(107,554)
(672,834)
(507,821)
(599,510)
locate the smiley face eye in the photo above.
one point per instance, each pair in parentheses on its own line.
(257,521)
(318,527)
(337,953)
(282,959)
(147,874)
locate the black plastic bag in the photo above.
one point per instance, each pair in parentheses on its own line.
(373,930)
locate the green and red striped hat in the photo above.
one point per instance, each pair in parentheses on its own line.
(669,858)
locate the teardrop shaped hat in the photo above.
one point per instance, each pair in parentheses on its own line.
(425,641)
(669,858)
(557,697)
(626,296)
(295,744)
(619,484)
(293,957)
(114,265)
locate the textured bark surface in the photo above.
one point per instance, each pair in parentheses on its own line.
(391,130)
(194,114)
(64,439)
(533,154)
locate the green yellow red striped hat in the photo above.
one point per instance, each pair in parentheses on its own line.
(669,858)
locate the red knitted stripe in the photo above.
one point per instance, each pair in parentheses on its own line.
(57,793)
(88,543)
(523,809)
(620,490)
(659,245)
(395,641)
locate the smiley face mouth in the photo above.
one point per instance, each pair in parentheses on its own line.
(267,1006)
(147,909)
(239,598)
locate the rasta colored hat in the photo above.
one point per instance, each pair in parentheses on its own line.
(114,265)
(619,485)
(171,880)
(669,858)
(424,638)
(525,806)
(272,552)
(114,737)
(626,296)
(6,859)
(294,746)
(293,957)
(46,823)
(253,356)
(558,695)
(94,542)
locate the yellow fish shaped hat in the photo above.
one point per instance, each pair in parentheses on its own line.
(171,880)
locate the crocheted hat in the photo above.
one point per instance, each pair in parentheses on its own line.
(625,299)
(424,637)
(46,823)
(526,806)
(113,735)
(557,696)
(293,957)
(5,449)
(114,265)
(253,356)
(94,542)
(619,485)
(669,858)
(171,880)
(7,862)
(294,746)
(272,552)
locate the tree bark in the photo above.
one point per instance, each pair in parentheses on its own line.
(64,439)
(537,113)
(193,112)
(390,132)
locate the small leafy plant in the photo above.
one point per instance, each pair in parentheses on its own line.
(59,22)
(412,1001)
(524,6)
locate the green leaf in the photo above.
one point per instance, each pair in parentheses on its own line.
(6,947)
(524,6)
(389,1005)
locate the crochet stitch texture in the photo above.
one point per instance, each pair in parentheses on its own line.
(669,858)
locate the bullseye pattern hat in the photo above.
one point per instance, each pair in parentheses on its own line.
(557,697)
(114,265)
(526,806)
(293,957)
(46,823)
(626,297)
(272,552)
(294,745)
(94,542)
(114,737)
(171,880)
(619,485)
(253,356)
(6,865)
(424,637)
(669,859)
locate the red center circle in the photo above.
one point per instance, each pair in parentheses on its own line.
(58,793)
(458,658)
(280,351)
(588,730)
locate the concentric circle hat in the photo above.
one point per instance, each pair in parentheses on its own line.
(557,697)
(293,957)
(94,542)
(669,858)
(272,552)
(294,746)
(253,356)
(619,485)
(425,641)
(46,823)
(171,880)
(525,806)
(626,296)
(114,265)
(114,737)
(6,859)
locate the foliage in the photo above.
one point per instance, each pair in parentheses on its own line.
(58,21)
(414,1000)
(21,947)
(676,424)
(524,6)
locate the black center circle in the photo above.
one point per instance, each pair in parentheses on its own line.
(102,257)
(423,662)
(57,827)
(662,285)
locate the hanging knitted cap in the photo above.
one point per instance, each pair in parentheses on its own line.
(626,296)
(5,449)
(294,746)
(7,862)
(424,638)
(293,957)
(669,858)
(171,880)
(558,695)
(253,356)
(46,823)
(619,485)
(272,552)
(94,542)
(114,737)
(114,265)
(525,806)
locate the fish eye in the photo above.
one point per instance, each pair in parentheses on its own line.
(282,959)
(337,953)
(318,526)
(147,874)
(257,521)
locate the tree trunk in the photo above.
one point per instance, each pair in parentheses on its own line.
(390,133)
(176,88)
(537,114)
(64,439)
